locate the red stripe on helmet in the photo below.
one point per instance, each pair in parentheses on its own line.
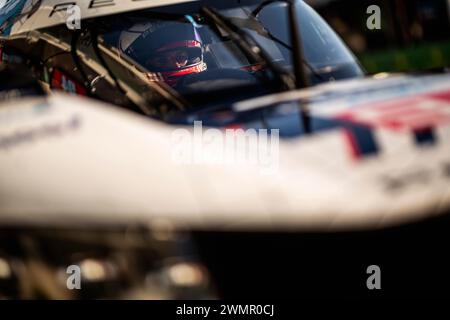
(171,77)
(187,43)
(195,69)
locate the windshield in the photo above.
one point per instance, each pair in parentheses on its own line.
(187,50)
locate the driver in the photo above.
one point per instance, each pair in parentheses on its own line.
(168,50)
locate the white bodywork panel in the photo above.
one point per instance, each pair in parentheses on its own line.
(54,12)
(74,161)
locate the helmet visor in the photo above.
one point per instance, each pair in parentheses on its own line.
(175,58)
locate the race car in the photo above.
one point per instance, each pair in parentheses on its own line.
(168,58)
(360,176)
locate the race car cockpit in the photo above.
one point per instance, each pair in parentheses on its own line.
(240,50)
(161,57)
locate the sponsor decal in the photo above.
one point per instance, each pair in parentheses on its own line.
(9,58)
(403,115)
(361,142)
(14,115)
(418,116)
(63,82)
(7,95)
(417,176)
(425,136)
(9,11)
(52,13)
(30,135)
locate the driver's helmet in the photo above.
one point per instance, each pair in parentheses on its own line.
(168,50)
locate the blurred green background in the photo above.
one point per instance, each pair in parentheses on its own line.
(414,34)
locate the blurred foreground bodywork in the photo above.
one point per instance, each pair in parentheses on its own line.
(363,179)
(358,193)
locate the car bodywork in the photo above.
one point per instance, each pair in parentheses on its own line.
(85,62)
(368,161)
